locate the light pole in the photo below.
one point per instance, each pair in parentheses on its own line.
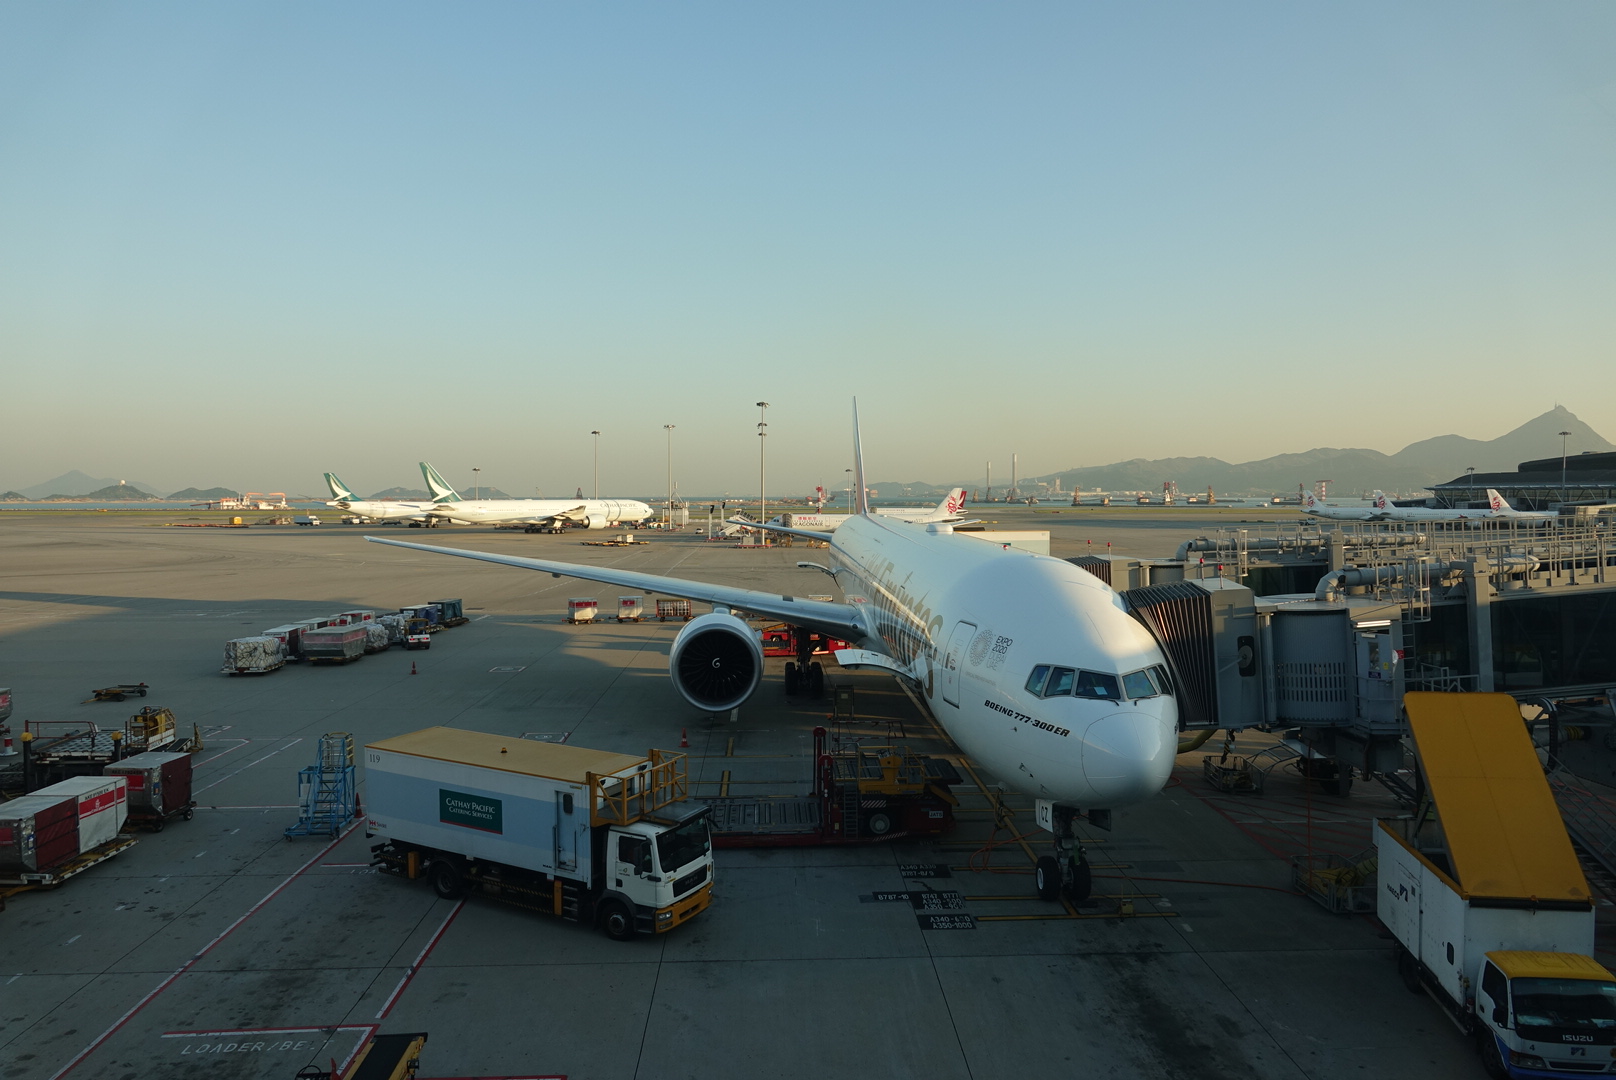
(763,441)
(476,475)
(669,428)
(596,434)
(1563,435)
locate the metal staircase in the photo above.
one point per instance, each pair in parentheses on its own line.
(326,792)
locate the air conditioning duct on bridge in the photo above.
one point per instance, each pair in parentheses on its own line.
(716,661)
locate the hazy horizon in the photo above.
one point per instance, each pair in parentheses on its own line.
(282,239)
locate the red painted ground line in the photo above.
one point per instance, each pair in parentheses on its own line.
(183,968)
(409,973)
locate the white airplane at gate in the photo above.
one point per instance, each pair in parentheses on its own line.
(1030,664)
(1313,507)
(948,510)
(579,513)
(1386,510)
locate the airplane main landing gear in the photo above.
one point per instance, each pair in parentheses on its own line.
(1067,872)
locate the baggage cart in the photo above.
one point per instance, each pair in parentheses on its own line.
(120,692)
(673,609)
(159,787)
(253,655)
(582,609)
(454,612)
(334,644)
(630,608)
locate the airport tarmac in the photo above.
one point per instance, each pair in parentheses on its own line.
(219,949)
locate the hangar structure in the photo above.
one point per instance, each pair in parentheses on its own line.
(1545,484)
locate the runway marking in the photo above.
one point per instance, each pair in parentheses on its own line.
(409,972)
(183,968)
(239,744)
(249,765)
(248,1046)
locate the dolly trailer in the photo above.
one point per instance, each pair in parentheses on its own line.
(588,835)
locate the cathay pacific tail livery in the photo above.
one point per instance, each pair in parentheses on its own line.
(1030,664)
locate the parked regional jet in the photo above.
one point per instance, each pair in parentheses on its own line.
(1030,664)
(1502,509)
(580,513)
(1386,510)
(1311,505)
(375,509)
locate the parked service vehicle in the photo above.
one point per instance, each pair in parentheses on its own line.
(306,519)
(588,835)
(1487,900)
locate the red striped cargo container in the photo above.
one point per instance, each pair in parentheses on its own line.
(103,806)
(159,783)
(38,832)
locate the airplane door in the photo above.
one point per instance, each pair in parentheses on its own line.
(953,657)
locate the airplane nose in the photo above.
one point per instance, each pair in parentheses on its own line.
(1128,755)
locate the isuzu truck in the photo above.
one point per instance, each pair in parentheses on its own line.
(592,836)
(1484,894)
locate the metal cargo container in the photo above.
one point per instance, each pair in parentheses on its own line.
(5,703)
(630,608)
(582,609)
(253,654)
(291,638)
(103,806)
(38,832)
(159,783)
(334,644)
(360,615)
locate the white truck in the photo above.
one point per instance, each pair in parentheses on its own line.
(1492,913)
(588,835)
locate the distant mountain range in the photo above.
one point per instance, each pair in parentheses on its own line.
(192,494)
(403,494)
(1416,466)
(110,493)
(75,483)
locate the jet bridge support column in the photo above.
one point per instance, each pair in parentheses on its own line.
(1478,610)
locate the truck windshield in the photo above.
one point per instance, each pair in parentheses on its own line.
(1586,1005)
(677,847)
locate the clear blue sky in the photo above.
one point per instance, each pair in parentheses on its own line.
(288,237)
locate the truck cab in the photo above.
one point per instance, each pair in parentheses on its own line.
(1545,1014)
(659,867)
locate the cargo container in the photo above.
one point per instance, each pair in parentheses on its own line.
(395,625)
(5,703)
(159,787)
(1486,898)
(291,638)
(582,609)
(454,612)
(253,655)
(37,833)
(334,644)
(588,835)
(431,613)
(360,615)
(630,608)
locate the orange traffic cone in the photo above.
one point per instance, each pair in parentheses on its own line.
(684,738)
(412,667)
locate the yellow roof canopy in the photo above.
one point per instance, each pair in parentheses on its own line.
(1505,836)
(1549,965)
(510,753)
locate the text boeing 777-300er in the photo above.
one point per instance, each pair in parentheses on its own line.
(1030,663)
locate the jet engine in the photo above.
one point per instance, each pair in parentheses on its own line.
(595,521)
(716,661)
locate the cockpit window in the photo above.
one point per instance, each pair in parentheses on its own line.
(1060,682)
(1035,681)
(1164,682)
(1096,684)
(1139,684)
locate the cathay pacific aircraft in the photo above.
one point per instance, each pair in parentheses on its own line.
(1031,664)
(579,513)
(375,509)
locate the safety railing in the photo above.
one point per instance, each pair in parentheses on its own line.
(623,797)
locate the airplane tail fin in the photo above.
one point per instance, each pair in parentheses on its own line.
(1309,502)
(441,491)
(949,508)
(1381,502)
(1497,502)
(861,499)
(339,491)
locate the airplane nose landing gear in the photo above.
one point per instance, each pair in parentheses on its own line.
(1067,871)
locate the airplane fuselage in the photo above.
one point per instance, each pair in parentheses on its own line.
(580,511)
(971,622)
(377,510)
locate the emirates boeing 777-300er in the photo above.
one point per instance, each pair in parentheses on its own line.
(1030,664)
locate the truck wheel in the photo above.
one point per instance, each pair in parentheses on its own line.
(1408,969)
(447,881)
(616,920)
(189,814)
(879,823)
(1491,1059)
(1047,877)
(1081,887)
(157,825)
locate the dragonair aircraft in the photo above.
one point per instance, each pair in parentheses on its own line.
(375,509)
(1030,664)
(1311,505)
(1386,510)
(1502,509)
(580,513)
(948,510)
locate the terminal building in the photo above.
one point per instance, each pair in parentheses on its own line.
(1545,484)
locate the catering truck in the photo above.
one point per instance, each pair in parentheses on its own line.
(1484,894)
(588,835)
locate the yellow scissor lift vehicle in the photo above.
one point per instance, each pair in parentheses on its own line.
(1484,894)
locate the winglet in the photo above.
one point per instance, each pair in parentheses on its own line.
(441,491)
(861,499)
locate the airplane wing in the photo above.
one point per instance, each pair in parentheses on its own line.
(837,620)
(806,534)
